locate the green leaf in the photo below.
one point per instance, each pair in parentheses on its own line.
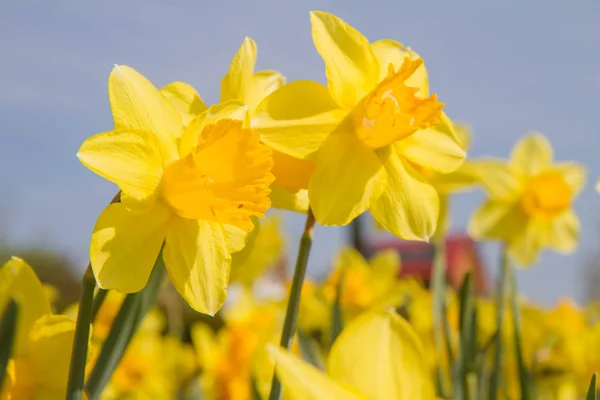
(8,329)
(130,315)
(516,314)
(438,287)
(591,393)
(466,320)
(309,349)
(495,380)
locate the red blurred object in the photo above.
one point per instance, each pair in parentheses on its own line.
(417,260)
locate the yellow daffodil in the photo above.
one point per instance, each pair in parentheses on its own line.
(233,357)
(39,367)
(530,198)
(365,285)
(194,189)
(262,251)
(378,356)
(242,87)
(366,131)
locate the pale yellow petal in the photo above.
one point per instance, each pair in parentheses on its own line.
(348,175)
(236,83)
(131,160)
(436,149)
(235,237)
(409,206)
(574,174)
(126,245)
(500,180)
(49,350)
(284,200)
(206,346)
(386,265)
(466,177)
(561,233)
(19,281)
(185,99)
(231,109)
(525,246)
(139,106)
(532,154)
(297,118)
(198,262)
(263,84)
(351,67)
(381,356)
(497,220)
(302,381)
(388,51)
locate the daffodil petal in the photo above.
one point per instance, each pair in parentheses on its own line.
(284,200)
(206,345)
(19,281)
(497,220)
(231,109)
(525,246)
(562,233)
(351,67)
(532,154)
(198,262)
(236,83)
(409,206)
(49,350)
(386,265)
(302,381)
(381,356)
(464,178)
(131,160)
(574,174)
(263,84)
(126,245)
(138,106)
(297,118)
(499,180)
(388,51)
(347,176)
(235,237)
(443,221)
(433,148)
(185,99)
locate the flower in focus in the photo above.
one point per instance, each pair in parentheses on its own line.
(377,356)
(243,89)
(195,189)
(530,198)
(367,131)
(39,366)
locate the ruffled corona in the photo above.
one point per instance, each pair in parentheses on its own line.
(547,195)
(393,110)
(225,178)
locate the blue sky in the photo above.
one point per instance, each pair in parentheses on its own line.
(506,68)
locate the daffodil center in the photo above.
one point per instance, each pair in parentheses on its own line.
(547,195)
(393,110)
(225,178)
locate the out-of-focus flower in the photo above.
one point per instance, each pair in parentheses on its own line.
(194,189)
(364,285)
(263,250)
(39,367)
(232,358)
(243,89)
(366,131)
(530,198)
(377,356)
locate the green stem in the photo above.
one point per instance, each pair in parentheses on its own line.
(8,330)
(98,301)
(291,314)
(130,315)
(500,303)
(516,312)
(82,337)
(438,288)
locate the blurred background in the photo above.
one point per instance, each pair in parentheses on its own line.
(505,68)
